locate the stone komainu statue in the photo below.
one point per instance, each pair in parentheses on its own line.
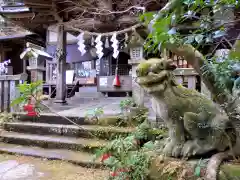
(196,124)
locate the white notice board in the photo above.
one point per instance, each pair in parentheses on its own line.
(103,81)
(69,76)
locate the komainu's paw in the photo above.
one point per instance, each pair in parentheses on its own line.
(172,149)
(190,148)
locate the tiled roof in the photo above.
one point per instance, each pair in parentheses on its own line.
(8,31)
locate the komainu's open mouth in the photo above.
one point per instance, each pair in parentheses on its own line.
(153,79)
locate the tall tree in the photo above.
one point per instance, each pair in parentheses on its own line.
(185,27)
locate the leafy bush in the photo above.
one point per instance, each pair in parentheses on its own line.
(127,156)
(126,103)
(224,71)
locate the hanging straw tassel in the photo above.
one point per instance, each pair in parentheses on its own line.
(106,43)
(125,40)
(92,41)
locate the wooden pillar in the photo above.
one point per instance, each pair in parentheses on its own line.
(93,64)
(61,66)
(1,53)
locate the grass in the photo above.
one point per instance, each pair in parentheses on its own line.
(58,170)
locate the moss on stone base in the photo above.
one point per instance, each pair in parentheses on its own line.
(229,172)
(109,120)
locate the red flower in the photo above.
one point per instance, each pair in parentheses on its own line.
(114,174)
(30,110)
(105,157)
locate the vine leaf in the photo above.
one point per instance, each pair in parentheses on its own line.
(199,38)
(190,39)
(218,34)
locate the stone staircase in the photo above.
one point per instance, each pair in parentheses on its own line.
(57,140)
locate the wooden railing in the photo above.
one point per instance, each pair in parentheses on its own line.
(186,76)
(8,90)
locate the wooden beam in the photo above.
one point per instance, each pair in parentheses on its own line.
(127,19)
(61,66)
(55,13)
(20,15)
(39,4)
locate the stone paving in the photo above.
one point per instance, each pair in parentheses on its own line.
(13,170)
(87,99)
(14,167)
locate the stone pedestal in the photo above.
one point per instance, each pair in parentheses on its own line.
(137,91)
(37,75)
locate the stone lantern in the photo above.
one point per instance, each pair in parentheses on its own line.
(36,58)
(136,56)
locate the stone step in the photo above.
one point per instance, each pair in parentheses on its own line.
(52,118)
(49,118)
(80,158)
(52,142)
(85,131)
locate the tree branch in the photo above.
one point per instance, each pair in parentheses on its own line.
(197,60)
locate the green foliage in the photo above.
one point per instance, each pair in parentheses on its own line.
(29,55)
(126,103)
(126,155)
(223,71)
(185,13)
(5,117)
(143,131)
(134,116)
(94,114)
(202,30)
(129,154)
(28,91)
